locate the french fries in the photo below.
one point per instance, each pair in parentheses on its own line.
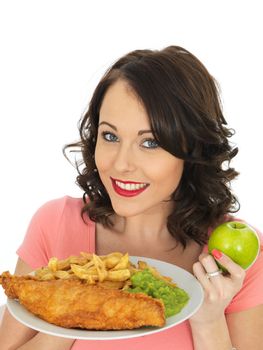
(111,271)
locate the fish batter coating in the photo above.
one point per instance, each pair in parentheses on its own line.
(75,304)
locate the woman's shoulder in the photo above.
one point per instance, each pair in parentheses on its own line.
(57,229)
(59,206)
(63,202)
(60,212)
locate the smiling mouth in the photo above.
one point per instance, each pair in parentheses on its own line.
(128,188)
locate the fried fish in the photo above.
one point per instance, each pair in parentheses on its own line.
(73,303)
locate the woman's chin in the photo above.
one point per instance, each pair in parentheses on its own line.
(127,209)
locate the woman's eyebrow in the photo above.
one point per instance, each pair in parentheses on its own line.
(106,123)
(140,132)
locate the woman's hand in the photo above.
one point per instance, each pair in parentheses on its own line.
(220,289)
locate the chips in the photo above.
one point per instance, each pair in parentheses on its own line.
(91,268)
(111,271)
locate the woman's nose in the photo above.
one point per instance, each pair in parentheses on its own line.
(124,159)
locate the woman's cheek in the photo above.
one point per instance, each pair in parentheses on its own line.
(101,157)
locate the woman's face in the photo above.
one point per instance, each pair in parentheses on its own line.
(137,174)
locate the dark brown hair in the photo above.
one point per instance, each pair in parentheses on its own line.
(183,104)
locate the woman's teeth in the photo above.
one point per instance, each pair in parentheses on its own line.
(130,187)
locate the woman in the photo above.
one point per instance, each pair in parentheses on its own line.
(155,176)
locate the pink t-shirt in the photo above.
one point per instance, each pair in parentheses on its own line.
(57,229)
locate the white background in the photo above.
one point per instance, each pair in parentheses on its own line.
(54,52)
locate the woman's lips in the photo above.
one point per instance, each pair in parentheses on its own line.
(128,188)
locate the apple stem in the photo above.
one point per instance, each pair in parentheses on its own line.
(238,225)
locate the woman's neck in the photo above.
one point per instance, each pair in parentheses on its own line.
(151,224)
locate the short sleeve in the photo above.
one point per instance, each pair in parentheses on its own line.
(251,293)
(36,247)
(57,229)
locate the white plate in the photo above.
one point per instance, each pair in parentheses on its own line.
(181,277)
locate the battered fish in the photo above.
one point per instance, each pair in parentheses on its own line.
(75,304)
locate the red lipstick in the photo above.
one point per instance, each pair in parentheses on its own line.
(127,193)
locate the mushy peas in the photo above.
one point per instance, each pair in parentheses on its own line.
(174,298)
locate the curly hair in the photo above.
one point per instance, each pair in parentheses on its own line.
(183,104)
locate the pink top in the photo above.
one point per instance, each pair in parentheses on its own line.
(57,229)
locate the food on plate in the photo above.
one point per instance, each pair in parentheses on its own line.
(174,298)
(237,240)
(97,292)
(73,303)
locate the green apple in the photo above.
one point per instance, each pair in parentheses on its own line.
(237,240)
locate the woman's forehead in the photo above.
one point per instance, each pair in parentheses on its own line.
(122,108)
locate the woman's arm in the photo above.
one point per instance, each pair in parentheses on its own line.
(246,328)
(213,335)
(26,338)
(43,341)
(243,330)
(9,328)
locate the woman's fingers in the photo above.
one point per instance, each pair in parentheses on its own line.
(206,265)
(236,272)
(200,274)
(208,262)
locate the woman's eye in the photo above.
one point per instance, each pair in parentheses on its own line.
(108,136)
(150,143)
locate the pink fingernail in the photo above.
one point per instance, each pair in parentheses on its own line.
(217,254)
